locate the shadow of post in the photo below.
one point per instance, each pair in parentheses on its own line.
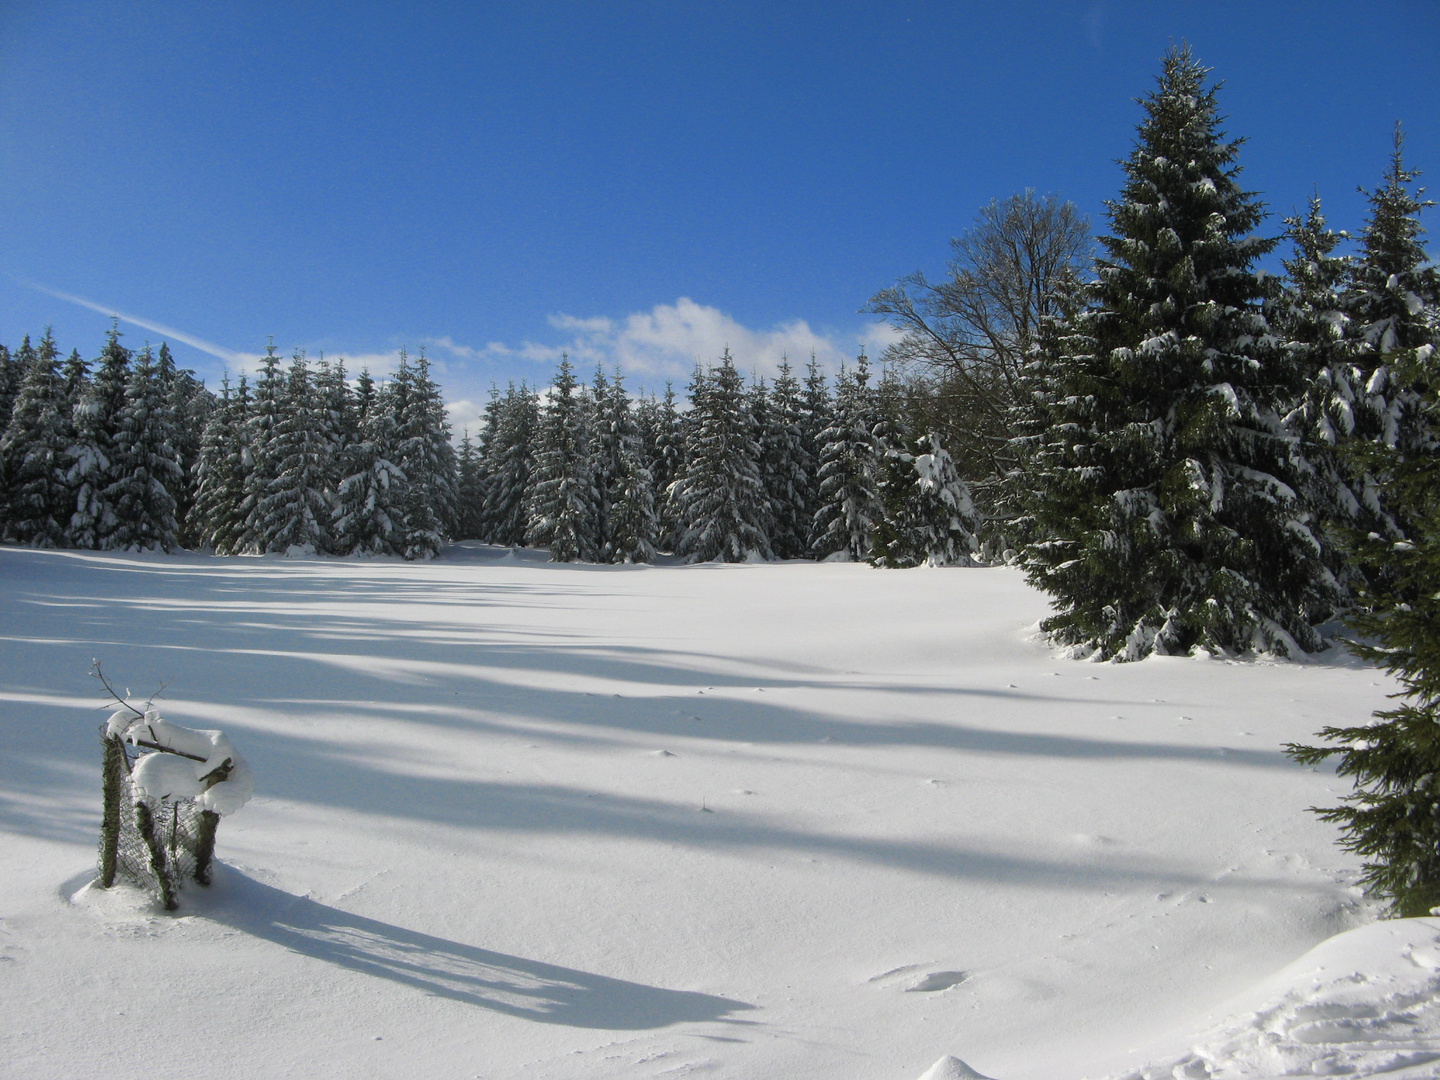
(512,985)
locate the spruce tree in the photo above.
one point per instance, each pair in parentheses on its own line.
(847,500)
(294,510)
(788,468)
(560,504)
(469,491)
(368,509)
(427,459)
(145,464)
(338,420)
(719,503)
(11,376)
(1393,817)
(94,467)
(1165,510)
(929,516)
(508,464)
(1392,299)
(216,520)
(1310,316)
(36,451)
(262,422)
(665,458)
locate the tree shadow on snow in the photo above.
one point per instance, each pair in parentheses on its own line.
(512,985)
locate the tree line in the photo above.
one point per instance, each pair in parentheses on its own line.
(132,453)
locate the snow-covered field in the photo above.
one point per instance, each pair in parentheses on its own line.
(785,821)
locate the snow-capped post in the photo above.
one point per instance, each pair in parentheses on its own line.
(196,775)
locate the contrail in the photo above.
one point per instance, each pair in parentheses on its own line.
(217,351)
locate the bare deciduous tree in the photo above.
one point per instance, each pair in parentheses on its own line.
(967,337)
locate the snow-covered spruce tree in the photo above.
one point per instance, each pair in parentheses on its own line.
(472,473)
(294,511)
(189,404)
(262,421)
(337,419)
(11,376)
(1392,300)
(508,464)
(36,452)
(787,468)
(1393,817)
(664,442)
(847,501)
(1165,508)
(93,469)
(216,520)
(560,503)
(427,459)
(634,523)
(469,488)
(929,518)
(145,465)
(366,517)
(1309,315)
(718,503)
(74,381)
(629,525)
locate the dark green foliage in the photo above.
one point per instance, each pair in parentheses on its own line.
(508,461)
(561,500)
(35,453)
(1392,819)
(718,503)
(786,467)
(144,465)
(1166,507)
(847,504)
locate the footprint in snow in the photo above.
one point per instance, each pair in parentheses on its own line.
(936,981)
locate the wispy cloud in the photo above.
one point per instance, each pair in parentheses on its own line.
(169,332)
(670,339)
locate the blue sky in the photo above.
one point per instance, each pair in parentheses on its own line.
(641,183)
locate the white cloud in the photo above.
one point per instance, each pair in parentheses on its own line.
(670,339)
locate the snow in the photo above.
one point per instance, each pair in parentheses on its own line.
(162,775)
(789,820)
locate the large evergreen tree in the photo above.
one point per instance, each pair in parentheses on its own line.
(1393,817)
(426,457)
(145,464)
(96,460)
(1165,507)
(367,515)
(294,510)
(560,503)
(508,462)
(216,520)
(36,451)
(719,503)
(848,500)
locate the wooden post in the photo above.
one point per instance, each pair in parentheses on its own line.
(113,785)
(145,824)
(205,845)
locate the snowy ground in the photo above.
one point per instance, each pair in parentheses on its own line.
(770,821)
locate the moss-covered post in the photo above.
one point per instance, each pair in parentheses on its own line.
(113,783)
(145,824)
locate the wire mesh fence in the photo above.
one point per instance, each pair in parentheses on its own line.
(158,844)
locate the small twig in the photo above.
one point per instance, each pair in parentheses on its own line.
(96,673)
